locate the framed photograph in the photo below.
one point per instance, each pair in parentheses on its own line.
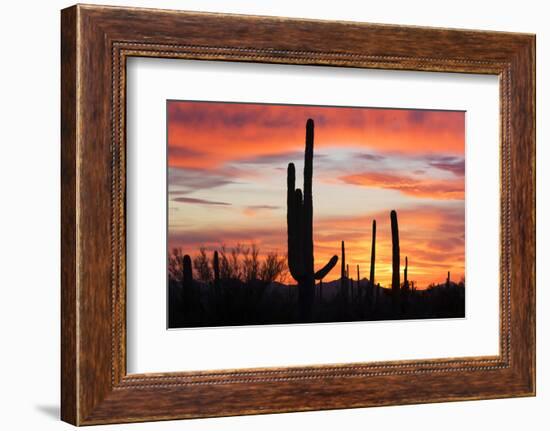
(264,215)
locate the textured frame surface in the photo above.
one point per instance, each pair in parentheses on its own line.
(96,41)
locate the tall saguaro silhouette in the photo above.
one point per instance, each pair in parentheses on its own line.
(395,281)
(300,231)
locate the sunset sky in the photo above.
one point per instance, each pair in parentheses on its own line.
(227,182)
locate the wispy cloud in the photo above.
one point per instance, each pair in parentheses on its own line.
(456,165)
(263,207)
(187,200)
(183,181)
(269,238)
(268,159)
(275,158)
(371,157)
(253,210)
(427,188)
(184,152)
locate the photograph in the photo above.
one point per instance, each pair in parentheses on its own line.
(288,214)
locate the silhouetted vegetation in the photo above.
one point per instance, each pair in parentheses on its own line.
(228,289)
(253,291)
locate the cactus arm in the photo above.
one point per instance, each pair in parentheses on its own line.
(319,275)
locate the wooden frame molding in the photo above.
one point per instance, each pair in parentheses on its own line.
(95,43)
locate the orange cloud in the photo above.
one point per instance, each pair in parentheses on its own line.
(207,135)
(426,188)
(253,210)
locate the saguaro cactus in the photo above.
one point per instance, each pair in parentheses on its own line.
(405,280)
(300,231)
(373,261)
(343,274)
(373,253)
(395,283)
(216,265)
(448,284)
(343,262)
(188,287)
(217,298)
(187,271)
(358,282)
(349,282)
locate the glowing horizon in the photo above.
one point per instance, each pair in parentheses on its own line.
(227,182)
